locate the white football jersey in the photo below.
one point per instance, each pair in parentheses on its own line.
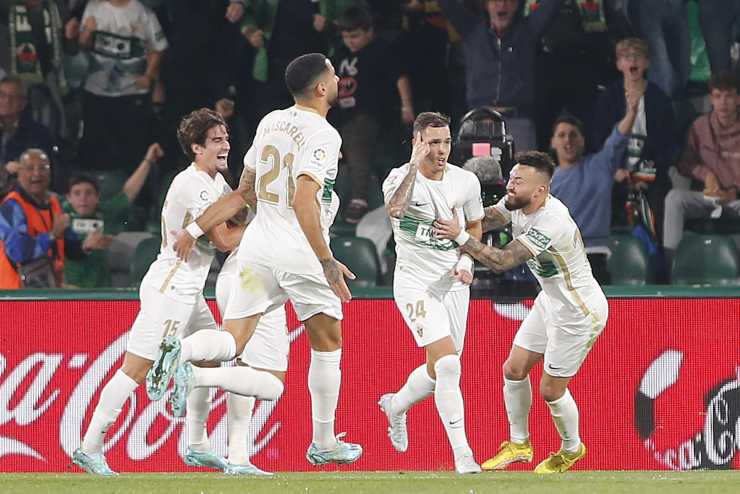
(419,252)
(190,193)
(290,143)
(559,263)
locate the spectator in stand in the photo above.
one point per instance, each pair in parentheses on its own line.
(41,33)
(370,84)
(204,41)
(18,131)
(584,183)
(712,159)
(91,217)
(35,237)
(718,19)
(663,24)
(125,45)
(500,56)
(279,31)
(425,44)
(651,148)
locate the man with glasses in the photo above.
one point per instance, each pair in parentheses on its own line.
(34,231)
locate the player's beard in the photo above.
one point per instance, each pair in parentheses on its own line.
(514,204)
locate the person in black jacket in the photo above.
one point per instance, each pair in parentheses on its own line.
(652,147)
(500,57)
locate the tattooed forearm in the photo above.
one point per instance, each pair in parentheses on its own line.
(499,260)
(493,220)
(246,187)
(400,200)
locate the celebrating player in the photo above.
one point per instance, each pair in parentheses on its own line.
(568,315)
(431,281)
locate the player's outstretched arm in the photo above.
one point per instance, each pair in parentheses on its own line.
(499,260)
(463,270)
(308,213)
(217,213)
(399,202)
(493,219)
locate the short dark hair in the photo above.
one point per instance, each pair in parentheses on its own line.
(18,82)
(303,72)
(430,119)
(536,159)
(82,179)
(570,120)
(194,126)
(355,18)
(723,81)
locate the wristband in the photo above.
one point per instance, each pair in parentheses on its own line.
(462,238)
(465,263)
(194,230)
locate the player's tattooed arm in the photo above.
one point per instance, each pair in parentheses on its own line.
(246,187)
(401,198)
(493,219)
(499,260)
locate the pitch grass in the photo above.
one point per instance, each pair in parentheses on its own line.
(724,482)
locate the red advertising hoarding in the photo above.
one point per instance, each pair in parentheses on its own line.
(660,390)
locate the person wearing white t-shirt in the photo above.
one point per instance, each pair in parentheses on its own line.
(431,280)
(171,295)
(568,314)
(289,175)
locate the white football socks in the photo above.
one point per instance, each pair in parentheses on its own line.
(114,395)
(564,413)
(239,415)
(324,378)
(238,379)
(196,418)
(419,385)
(518,401)
(208,345)
(449,401)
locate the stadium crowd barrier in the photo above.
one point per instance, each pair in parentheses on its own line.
(660,389)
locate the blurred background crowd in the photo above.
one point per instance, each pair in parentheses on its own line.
(635,99)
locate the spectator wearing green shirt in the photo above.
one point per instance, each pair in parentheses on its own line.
(90,216)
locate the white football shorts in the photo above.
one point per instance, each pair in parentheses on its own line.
(159,315)
(565,345)
(429,315)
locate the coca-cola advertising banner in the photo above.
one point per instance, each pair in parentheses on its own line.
(660,390)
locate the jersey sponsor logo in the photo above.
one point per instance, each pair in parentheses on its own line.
(537,238)
(421,233)
(115,46)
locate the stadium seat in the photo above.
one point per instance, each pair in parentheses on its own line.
(110,182)
(629,263)
(706,260)
(361,257)
(145,253)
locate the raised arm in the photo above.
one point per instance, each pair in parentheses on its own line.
(135,182)
(399,201)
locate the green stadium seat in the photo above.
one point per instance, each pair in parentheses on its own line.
(361,257)
(706,260)
(110,182)
(145,254)
(629,263)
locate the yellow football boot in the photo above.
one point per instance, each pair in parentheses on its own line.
(509,453)
(561,461)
